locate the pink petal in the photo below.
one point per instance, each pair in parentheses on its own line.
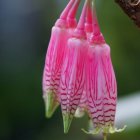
(72,79)
(54,60)
(101,85)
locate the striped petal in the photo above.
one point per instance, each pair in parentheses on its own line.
(72,79)
(101,86)
(52,70)
(61,32)
(82,107)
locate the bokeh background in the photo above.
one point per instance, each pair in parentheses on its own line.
(25,28)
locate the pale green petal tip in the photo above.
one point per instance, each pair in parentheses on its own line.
(113,129)
(50,104)
(67,119)
(92,132)
(50,109)
(104,130)
(80,112)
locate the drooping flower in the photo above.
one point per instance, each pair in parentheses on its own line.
(82,107)
(78,72)
(73,74)
(61,32)
(101,86)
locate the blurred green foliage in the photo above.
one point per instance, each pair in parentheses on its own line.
(25,29)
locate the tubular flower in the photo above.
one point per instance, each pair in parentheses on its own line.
(61,32)
(73,76)
(101,89)
(101,86)
(82,107)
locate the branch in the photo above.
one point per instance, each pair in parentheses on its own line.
(131,8)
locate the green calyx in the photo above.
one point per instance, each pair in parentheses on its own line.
(51,103)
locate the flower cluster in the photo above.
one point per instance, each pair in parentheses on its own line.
(78,72)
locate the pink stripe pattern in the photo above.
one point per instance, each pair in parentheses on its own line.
(61,32)
(101,86)
(78,72)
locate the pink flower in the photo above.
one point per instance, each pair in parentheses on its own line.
(73,74)
(101,86)
(61,32)
(82,107)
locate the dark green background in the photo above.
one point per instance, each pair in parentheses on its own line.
(25,27)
